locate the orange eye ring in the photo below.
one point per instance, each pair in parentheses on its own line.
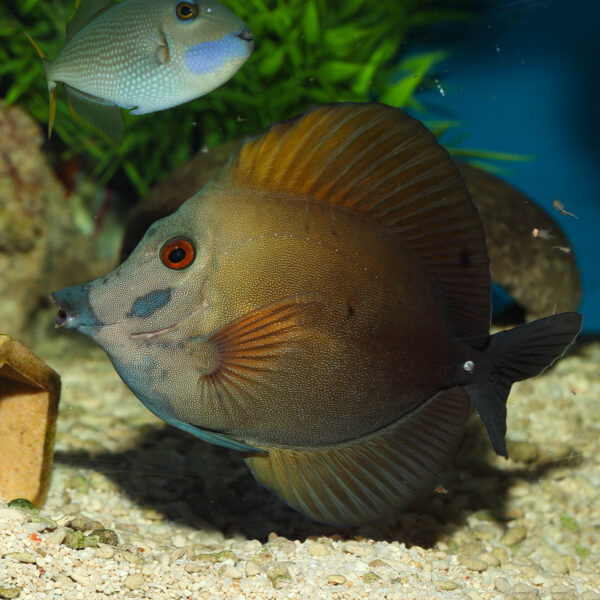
(186,11)
(178,254)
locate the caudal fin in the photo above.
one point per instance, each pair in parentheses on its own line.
(514,355)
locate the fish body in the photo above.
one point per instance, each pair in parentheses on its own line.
(323,306)
(145,56)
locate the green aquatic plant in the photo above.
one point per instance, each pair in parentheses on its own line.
(307,51)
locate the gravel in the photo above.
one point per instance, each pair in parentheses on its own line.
(185,520)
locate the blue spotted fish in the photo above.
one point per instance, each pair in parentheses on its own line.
(145,56)
(322,306)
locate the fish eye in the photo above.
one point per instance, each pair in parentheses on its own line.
(178,254)
(186,11)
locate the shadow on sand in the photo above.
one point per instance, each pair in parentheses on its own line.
(209,487)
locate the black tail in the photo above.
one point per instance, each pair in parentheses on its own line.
(517,354)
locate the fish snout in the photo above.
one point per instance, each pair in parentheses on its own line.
(73,308)
(246,34)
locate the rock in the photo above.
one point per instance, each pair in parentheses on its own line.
(23,505)
(522,591)
(370,577)
(230,571)
(336,579)
(378,563)
(501,554)
(134,582)
(24,557)
(40,524)
(77,541)
(10,592)
(29,395)
(278,575)
(317,549)
(215,557)
(194,567)
(502,585)
(40,247)
(57,536)
(252,569)
(515,535)
(355,548)
(445,584)
(106,552)
(106,536)
(82,523)
(472,563)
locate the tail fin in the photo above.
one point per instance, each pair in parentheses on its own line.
(514,355)
(51,86)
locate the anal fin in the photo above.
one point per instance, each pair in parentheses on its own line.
(373,477)
(104,116)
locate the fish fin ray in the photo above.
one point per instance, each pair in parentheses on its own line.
(371,478)
(84,12)
(103,116)
(249,350)
(37,48)
(514,355)
(406,181)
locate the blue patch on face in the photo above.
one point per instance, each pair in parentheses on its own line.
(150,303)
(208,57)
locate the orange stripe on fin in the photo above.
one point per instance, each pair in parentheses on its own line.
(372,478)
(250,351)
(381,163)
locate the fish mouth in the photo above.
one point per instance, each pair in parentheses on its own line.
(245,34)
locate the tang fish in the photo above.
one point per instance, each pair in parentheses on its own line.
(322,306)
(144,55)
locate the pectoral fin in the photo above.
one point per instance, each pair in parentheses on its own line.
(373,477)
(103,116)
(249,354)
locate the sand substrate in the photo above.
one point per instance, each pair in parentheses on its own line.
(191,522)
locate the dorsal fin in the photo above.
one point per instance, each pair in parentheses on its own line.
(385,165)
(83,13)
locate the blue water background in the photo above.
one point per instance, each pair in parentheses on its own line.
(525,78)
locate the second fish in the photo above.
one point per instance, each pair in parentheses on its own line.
(144,55)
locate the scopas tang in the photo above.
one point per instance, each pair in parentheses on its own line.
(323,306)
(144,55)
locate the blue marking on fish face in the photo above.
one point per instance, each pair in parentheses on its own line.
(209,57)
(75,311)
(146,305)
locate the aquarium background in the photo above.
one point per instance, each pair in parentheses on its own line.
(491,78)
(524,78)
